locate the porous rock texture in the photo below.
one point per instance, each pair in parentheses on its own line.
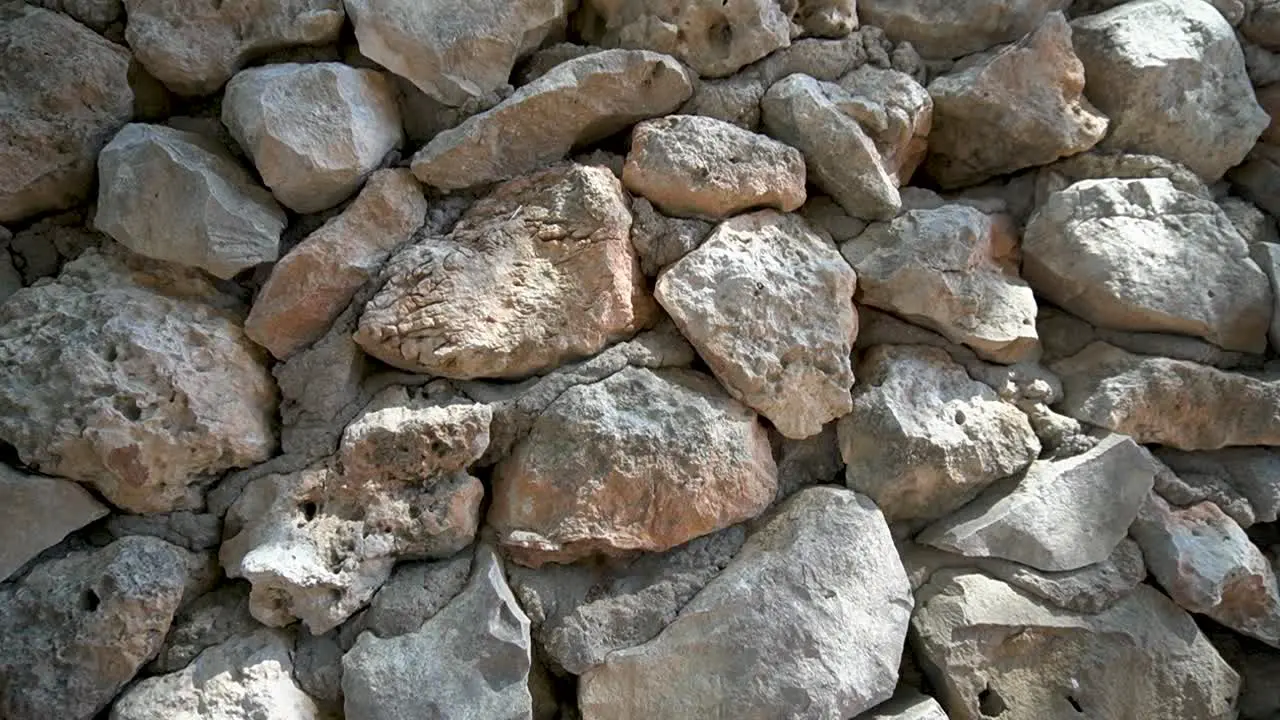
(587,359)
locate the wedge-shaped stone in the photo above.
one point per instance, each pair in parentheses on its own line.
(36,513)
(908,116)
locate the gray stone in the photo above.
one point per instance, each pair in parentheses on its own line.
(100,15)
(1267,257)
(906,704)
(36,513)
(827,218)
(1262,25)
(660,240)
(815,460)
(414,594)
(209,620)
(1257,179)
(908,116)
(1258,666)
(196,531)
(940,29)
(1251,474)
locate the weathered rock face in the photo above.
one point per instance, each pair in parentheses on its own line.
(66,93)
(807,622)
(770,272)
(641,460)
(576,103)
(906,704)
(923,438)
(480,656)
(178,196)
(1032,91)
(455,51)
(1171,77)
(36,513)
(659,240)
(75,630)
(954,270)
(908,116)
(539,272)
(311,285)
(414,594)
(993,650)
(692,166)
(209,620)
(939,29)
(193,50)
(1142,255)
(1245,475)
(314,131)
(134,378)
(1160,401)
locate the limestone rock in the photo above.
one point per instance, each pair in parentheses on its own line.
(75,630)
(1141,255)
(714,38)
(178,196)
(1251,474)
(210,620)
(840,157)
(316,544)
(414,594)
(952,270)
(660,240)
(693,166)
(908,114)
(578,102)
(642,460)
(539,272)
(1267,257)
(1257,179)
(479,652)
(1208,565)
(1171,77)
(1102,165)
(248,676)
(101,15)
(1160,401)
(923,438)
(990,649)
(1060,515)
(312,284)
(943,30)
(906,704)
(66,93)
(827,18)
(135,378)
(769,305)
(807,621)
(1031,90)
(314,131)
(36,513)
(194,49)
(454,51)
(815,460)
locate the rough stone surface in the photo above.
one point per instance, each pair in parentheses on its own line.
(906,704)
(991,649)
(1141,255)
(75,630)
(642,460)
(769,305)
(178,196)
(209,620)
(1171,77)
(923,438)
(1267,257)
(135,378)
(660,240)
(1250,474)
(576,103)
(807,621)
(1181,404)
(66,92)
(479,650)
(312,284)
(1031,90)
(692,166)
(952,270)
(455,51)
(194,49)
(36,513)
(539,272)
(941,30)
(414,594)
(908,116)
(314,131)
(1258,666)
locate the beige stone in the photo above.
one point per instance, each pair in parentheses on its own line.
(38,512)
(942,29)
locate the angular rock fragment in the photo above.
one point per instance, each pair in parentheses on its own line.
(454,51)
(1267,256)
(311,285)
(37,513)
(952,270)
(539,272)
(641,460)
(66,92)
(692,166)
(576,103)
(659,240)
(414,594)
(840,157)
(1159,401)
(769,305)
(1171,77)
(906,704)
(991,650)
(194,49)
(807,621)
(908,116)
(1141,255)
(178,196)
(477,653)
(942,30)
(75,630)
(1060,515)
(314,131)
(1258,665)
(133,377)
(1251,474)
(211,619)
(1031,90)
(923,438)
